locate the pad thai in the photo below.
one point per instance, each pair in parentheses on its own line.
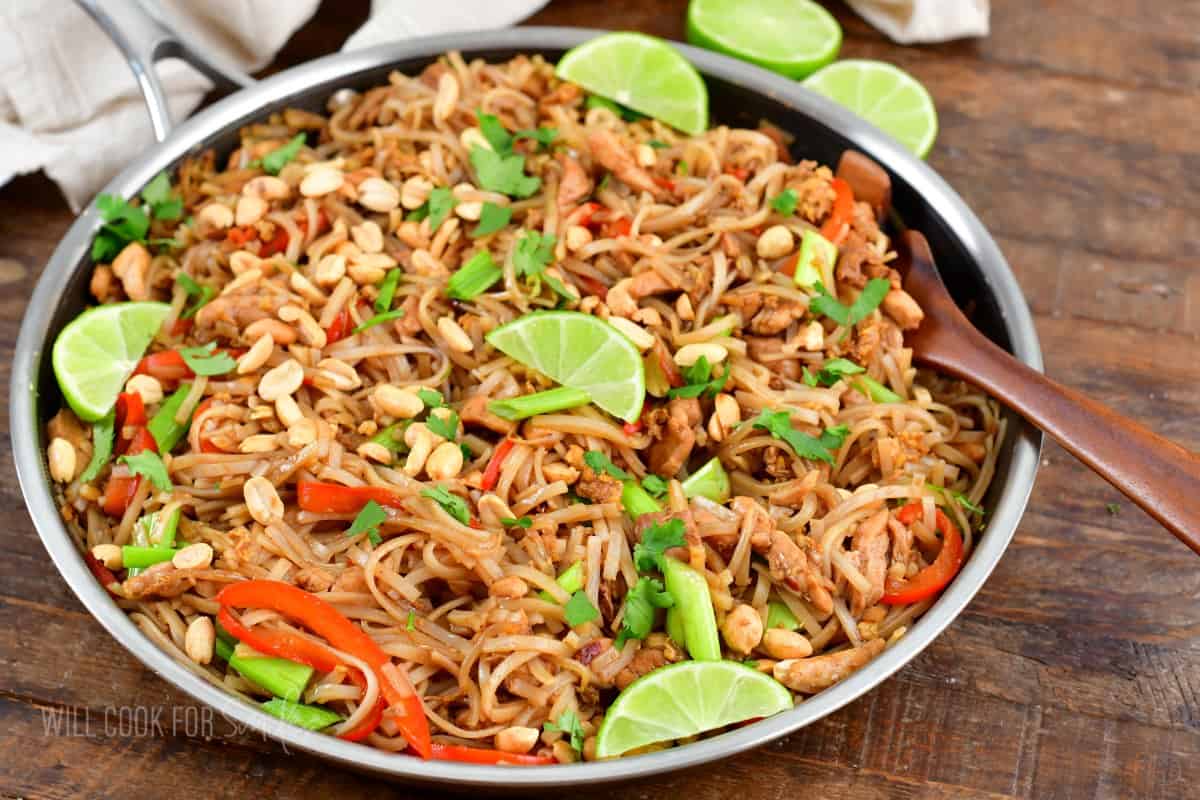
(358,478)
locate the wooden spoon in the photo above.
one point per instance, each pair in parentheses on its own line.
(1153,472)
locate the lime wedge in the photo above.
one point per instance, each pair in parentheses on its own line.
(792,37)
(98,350)
(643,73)
(685,699)
(579,351)
(884,95)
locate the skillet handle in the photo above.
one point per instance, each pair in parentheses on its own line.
(144,37)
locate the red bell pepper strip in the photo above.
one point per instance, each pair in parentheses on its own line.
(741,173)
(342,634)
(593,286)
(130,414)
(339,328)
(120,489)
(583,214)
(632,428)
(933,578)
(167,366)
(491,473)
(181,326)
(333,498)
(206,446)
(838,224)
(621,226)
(479,755)
(664,183)
(103,574)
(239,236)
(278,243)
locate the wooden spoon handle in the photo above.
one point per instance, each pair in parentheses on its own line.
(1155,473)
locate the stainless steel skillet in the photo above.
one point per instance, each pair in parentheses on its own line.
(740,95)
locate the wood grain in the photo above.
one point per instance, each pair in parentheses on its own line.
(1073,674)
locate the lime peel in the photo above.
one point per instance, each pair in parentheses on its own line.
(792,37)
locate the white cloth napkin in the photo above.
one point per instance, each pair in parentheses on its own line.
(922,21)
(69,104)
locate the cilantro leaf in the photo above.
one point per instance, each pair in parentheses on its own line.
(280,157)
(834,370)
(432,398)
(808,378)
(640,603)
(102,445)
(162,202)
(600,463)
(656,540)
(445,427)
(451,503)
(368,521)
(870,298)
(503,173)
(494,131)
(148,464)
(959,498)
(204,360)
(542,135)
(491,219)
(441,202)
(814,448)
(657,145)
(654,485)
(699,381)
(411,625)
(533,253)
(123,223)
(569,725)
(579,609)
(202,294)
(785,202)
(516,522)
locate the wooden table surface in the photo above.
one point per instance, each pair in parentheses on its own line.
(1074,674)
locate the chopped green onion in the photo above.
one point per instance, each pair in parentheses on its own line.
(379,319)
(571,580)
(279,676)
(142,557)
(392,437)
(675,626)
(637,501)
(474,277)
(780,616)
(314,718)
(530,405)
(876,390)
(163,427)
(387,291)
(690,591)
(816,261)
(517,522)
